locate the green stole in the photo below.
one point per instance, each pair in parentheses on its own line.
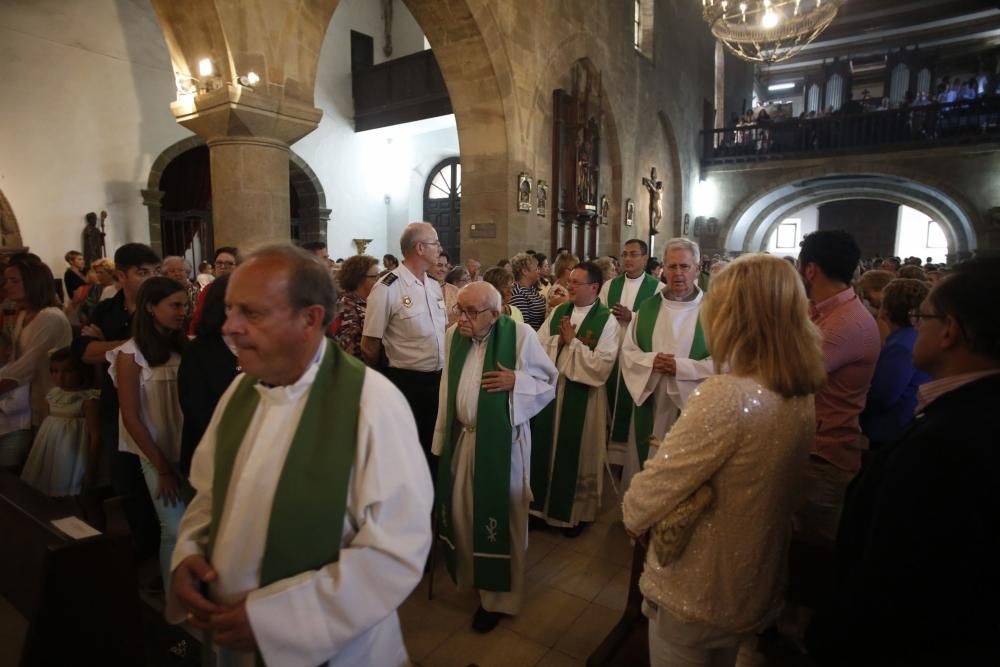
(307,515)
(574,409)
(616,388)
(491,546)
(645,322)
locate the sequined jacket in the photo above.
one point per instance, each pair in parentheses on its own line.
(751,445)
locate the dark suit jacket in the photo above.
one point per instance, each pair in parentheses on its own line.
(918,551)
(207,367)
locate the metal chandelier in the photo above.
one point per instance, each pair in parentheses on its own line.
(768,31)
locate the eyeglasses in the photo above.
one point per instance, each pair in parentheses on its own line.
(437,243)
(578,284)
(470,313)
(678,267)
(916,316)
(221,263)
(631,253)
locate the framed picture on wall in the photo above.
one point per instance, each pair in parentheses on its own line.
(629,213)
(523,192)
(541,199)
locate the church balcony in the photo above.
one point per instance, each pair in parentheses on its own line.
(401,90)
(921,127)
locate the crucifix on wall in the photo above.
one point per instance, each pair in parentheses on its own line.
(655,189)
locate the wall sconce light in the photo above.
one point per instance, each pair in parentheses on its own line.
(249,80)
(205,67)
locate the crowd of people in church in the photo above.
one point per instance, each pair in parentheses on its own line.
(952,107)
(293,436)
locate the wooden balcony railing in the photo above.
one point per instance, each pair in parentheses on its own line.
(399,91)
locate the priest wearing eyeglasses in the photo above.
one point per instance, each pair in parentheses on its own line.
(496,378)
(570,436)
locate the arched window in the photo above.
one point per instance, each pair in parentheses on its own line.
(813,99)
(834,92)
(443,205)
(924,81)
(899,84)
(642,27)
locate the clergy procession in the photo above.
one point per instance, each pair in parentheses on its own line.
(346,449)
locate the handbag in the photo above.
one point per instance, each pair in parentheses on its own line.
(670,535)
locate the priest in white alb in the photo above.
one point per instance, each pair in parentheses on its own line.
(311,519)
(570,436)
(623,295)
(496,378)
(664,357)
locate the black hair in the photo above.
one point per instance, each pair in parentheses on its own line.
(594,272)
(213,308)
(642,245)
(965,294)
(155,345)
(39,285)
(132,255)
(229,250)
(834,251)
(313,246)
(84,371)
(652,264)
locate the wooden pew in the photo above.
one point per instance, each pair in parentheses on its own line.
(79,596)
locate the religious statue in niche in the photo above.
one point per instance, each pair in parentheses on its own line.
(10,233)
(586,166)
(93,238)
(655,188)
(629,213)
(541,198)
(686,227)
(605,207)
(523,192)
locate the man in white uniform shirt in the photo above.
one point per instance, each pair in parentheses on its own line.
(496,378)
(311,521)
(664,356)
(623,296)
(569,438)
(406,317)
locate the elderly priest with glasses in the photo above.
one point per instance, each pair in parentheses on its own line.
(570,436)
(496,378)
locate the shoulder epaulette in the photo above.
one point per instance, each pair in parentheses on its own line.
(389,279)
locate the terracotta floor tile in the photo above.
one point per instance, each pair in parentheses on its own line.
(588,631)
(546,615)
(500,648)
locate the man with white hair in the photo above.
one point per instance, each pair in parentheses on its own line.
(474,268)
(406,317)
(496,378)
(664,356)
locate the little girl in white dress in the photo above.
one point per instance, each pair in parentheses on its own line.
(63,457)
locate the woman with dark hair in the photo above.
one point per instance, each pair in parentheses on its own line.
(40,326)
(144,370)
(356,278)
(208,365)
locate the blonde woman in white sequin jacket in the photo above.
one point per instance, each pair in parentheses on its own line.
(747,434)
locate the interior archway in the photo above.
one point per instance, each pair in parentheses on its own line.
(10,232)
(760,213)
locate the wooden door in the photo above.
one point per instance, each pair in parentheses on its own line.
(443,205)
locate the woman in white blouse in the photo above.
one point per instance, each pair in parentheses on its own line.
(747,435)
(40,327)
(144,370)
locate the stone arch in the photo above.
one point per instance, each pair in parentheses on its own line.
(761,211)
(313,213)
(674,205)
(10,231)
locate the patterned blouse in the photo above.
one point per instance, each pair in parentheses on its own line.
(350,321)
(530,303)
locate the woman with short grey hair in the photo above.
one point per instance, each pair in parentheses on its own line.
(524,293)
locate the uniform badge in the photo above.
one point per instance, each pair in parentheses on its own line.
(407,301)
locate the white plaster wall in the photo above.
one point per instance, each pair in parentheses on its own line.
(84,111)
(912,236)
(359,170)
(808,223)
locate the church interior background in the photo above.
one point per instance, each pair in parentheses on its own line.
(197,124)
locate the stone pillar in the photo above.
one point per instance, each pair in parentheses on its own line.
(153,201)
(250,201)
(248,135)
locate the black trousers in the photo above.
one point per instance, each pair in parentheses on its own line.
(421,392)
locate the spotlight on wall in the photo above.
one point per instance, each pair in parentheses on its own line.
(249,80)
(186,85)
(781,86)
(205,67)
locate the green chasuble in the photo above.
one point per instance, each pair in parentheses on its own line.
(307,515)
(574,408)
(617,391)
(491,477)
(645,322)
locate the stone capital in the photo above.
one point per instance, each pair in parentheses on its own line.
(235,111)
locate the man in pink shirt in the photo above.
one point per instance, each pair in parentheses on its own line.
(827,261)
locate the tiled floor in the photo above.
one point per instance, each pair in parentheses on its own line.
(575,593)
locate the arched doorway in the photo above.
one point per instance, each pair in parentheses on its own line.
(443,205)
(179,200)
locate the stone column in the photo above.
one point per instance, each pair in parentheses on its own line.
(250,201)
(153,201)
(248,135)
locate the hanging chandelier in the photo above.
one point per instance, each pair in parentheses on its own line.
(768,31)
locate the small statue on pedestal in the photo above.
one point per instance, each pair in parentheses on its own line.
(655,189)
(93,238)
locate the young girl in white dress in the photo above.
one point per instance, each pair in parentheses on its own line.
(144,370)
(63,458)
